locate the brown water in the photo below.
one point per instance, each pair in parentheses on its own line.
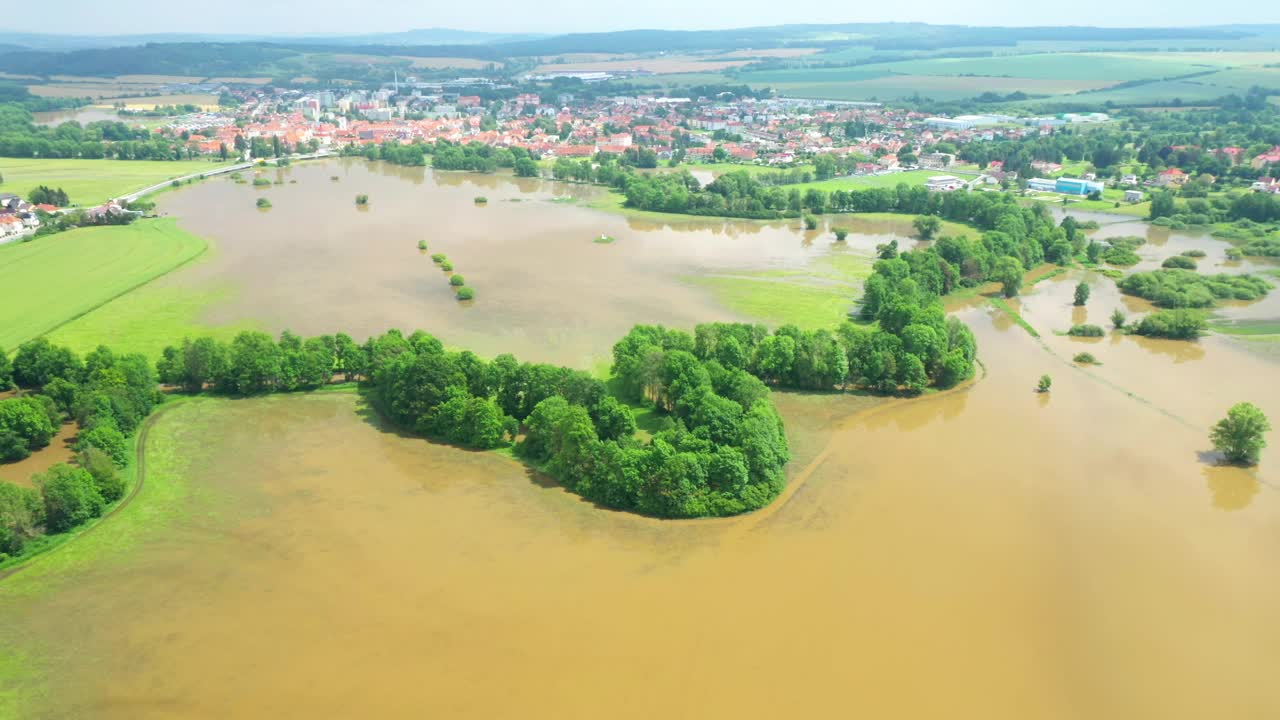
(81,115)
(985,553)
(989,553)
(315,263)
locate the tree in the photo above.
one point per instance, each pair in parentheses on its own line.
(526,167)
(21,514)
(927,226)
(1009,274)
(840,233)
(362,199)
(1118,319)
(1239,436)
(70,497)
(1082,294)
(1162,205)
(6,372)
(810,222)
(1045,383)
(23,419)
(102,469)
(39,361)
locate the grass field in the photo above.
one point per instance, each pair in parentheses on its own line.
(53,280)
(146,102)
(817,297)
(656,65)
(1056,66)
(92,182)
(865,182)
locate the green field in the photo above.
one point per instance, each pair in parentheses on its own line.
(1057,66)
(93,182)
(52,280)
(865,182)
(812,298)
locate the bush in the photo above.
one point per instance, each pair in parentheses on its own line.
(260,181)
(105,436)
(1234,254)
(1266,247)
(362,199)
(1086,331)
(1173,324)
(422,244)
(438,258)
(1194,253)
(457,281)
(1085,358)
(466,293)
(1045,383)
(1120,251)
(446,266)
(481,200)
(21,515)
(810,222)
(1183,289)
(264,203)
(102,469)
(840,233)
(1179,262)
(70,497)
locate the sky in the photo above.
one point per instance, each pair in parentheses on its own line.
(91,17)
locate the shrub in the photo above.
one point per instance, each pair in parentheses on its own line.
(1267,247)
(1086,331)
(466,293)
(1183,289)
(457,281)
(841,234)
(70,497)
(264,203)
(102,469)
(446,266)
(106,437)
(362,199)
(260,181)
(1174,324)
(1234,254)
(1085,358)
(21,514)
(1045,383)
(438,258)
(333,178)
(1118,319)
(810,222)
(1179,262)
(422,244)
(481,200)
(1194,253)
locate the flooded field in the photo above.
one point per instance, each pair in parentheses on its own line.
(83,116)
(315,262)
(988,552)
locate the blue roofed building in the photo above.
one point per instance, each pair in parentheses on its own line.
(1076,186)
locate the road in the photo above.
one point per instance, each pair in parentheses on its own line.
(211,173)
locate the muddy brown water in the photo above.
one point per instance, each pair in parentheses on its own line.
(985,553)
(315,262)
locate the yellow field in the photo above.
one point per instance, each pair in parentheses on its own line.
(1217,59)
(93,90)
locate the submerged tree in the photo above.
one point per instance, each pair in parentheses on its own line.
(1082,294)
(1118,318)
(927,226)
(1239,434)
(841,234)
(1009,274)
(1045,383)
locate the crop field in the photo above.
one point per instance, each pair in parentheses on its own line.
(1055,66)
(864,182)
(440,63)
(92,182)
(657,65)
(52,280)
(89,89)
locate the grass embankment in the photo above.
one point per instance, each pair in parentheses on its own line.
(818,296)
(866,182)
(1014,315)
(93,182)
(53,280)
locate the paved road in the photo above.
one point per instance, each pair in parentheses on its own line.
(211,173)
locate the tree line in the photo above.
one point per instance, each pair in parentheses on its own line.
(107,396)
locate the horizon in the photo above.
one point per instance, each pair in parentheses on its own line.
(138,17)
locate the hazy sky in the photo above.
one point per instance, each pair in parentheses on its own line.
(258,16)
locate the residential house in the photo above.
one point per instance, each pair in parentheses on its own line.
(1170,177)
(1129,180)
(1271,157)
(936,160)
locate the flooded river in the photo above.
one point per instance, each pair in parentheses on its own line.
(985,553)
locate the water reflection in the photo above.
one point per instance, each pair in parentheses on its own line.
(1231,488)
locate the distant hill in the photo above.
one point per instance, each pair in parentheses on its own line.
(425,36)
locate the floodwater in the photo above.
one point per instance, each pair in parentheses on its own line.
(82,115)
(315,263)
(988,552)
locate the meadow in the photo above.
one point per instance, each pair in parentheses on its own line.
(54,279)
(92,182)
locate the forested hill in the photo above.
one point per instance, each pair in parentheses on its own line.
(261,57)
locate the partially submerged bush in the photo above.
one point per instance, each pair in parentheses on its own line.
(1086,331)
(1085,358)
(465,293)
